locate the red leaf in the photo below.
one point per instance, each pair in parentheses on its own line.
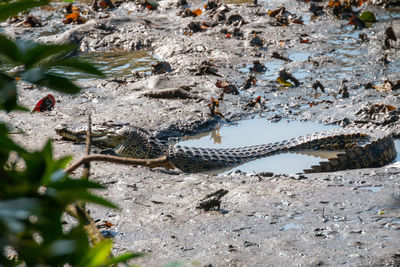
(45,104)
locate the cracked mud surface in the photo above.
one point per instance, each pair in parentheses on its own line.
(349,217)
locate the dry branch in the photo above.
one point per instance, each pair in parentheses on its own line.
(89,225)
(86,169)
(151,163)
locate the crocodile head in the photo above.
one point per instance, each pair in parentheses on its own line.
(103,135)
(117,138)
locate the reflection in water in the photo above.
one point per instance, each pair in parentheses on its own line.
(260,131)
(216,136)
(112,64)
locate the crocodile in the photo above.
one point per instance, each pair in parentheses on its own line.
(360,148)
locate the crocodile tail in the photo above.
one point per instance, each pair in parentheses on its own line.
(362,148)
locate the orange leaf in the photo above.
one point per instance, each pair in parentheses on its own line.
(106,224)
(228,35)
(333,3)
(217,112)
(74,9)
(197,12)
(297,21)
(205,6)
(74,16)
(352,20)
(214,102)
(390,107)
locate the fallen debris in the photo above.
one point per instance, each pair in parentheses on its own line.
(319,85)
(212,201)
(205,68)
(161,67)
(171,93)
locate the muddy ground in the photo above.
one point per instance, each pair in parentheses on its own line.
(349,217)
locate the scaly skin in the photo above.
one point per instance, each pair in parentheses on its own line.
(363,148)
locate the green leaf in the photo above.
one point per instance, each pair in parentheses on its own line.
(69,184)
(8,93)
(20,108)
(63,247)
(124,258)
(57,83)
(15,210)
(9,49)
(34,54)
(97,255)
(83,195)
(368,16)
(33,75)
(13,8)
(6,144)
(78,65)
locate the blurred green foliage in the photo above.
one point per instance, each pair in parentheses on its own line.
(35,190)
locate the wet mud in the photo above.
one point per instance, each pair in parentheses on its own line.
(258,61)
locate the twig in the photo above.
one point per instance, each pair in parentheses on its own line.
(86,166)
(78,210)
(151,163)
(89,225)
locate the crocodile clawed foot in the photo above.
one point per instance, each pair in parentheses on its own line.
(108,151)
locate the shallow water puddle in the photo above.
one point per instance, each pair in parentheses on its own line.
(113,64)
(372,189)
(260,131)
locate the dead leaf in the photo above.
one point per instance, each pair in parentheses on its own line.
(298,21)
(227,87)
(385,87)
(274,13)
